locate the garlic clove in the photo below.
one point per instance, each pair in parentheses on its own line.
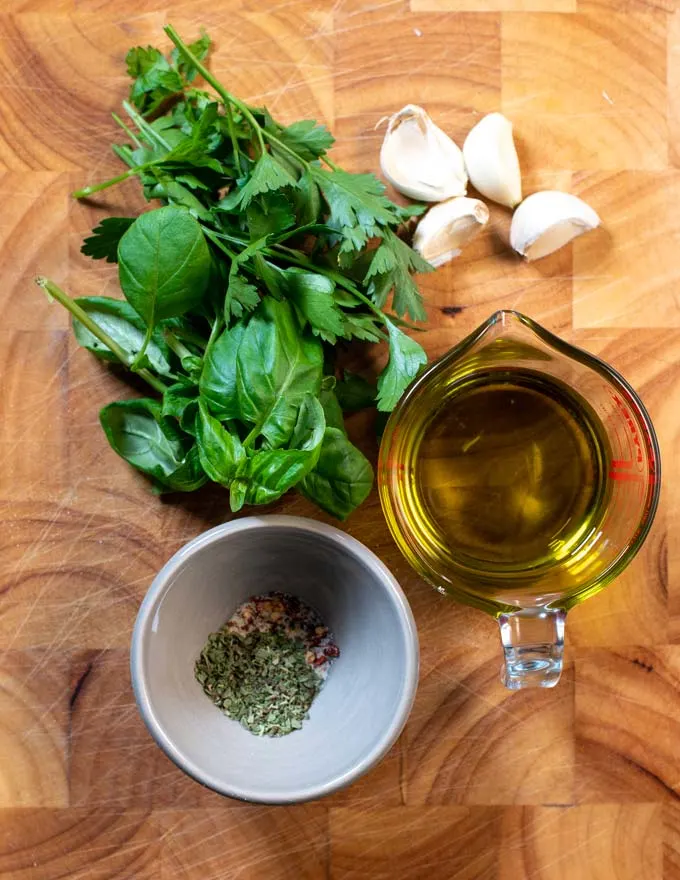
(448,226)
(491,160)
(546,221)
(419,159)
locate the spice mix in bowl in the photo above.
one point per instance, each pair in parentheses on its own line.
(275,659)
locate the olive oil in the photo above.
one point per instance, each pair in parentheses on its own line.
(520,475)
(507,481)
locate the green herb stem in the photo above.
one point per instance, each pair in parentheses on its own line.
(226,96)
(286,149)
(189,336)
(299,260)
(280,251)
(215,331)
(232,136)
(128,131)
(216,237)
(123,154)
(81,315)
(148,130)
(176,345)
(98,187)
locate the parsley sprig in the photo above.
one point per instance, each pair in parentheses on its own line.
(262,256)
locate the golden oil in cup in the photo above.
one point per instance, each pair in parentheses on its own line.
(509,473)
(520,475)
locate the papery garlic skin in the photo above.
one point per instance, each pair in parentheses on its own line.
(546,221)
(491,160)
(419,159)
(447,227)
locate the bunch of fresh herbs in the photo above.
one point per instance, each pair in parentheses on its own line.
(261,680)
(261,258)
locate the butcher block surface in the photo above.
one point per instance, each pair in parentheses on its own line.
(576,783)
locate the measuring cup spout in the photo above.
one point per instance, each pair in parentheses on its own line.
(533,645)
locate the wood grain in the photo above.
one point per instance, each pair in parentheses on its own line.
(81,844)
(588,91)
(613,841)
(32,241)
(579,783)
(626,275)
(434,842)
(470,741)
(34,731)
(627,723)
(290,843)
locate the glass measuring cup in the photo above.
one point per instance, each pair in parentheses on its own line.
(523,523)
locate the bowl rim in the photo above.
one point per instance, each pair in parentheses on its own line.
(163,580)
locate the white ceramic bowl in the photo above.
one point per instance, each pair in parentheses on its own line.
(365,701)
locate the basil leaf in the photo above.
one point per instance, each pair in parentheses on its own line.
(309,426)
(218,379)
(164,264)
(331,409)
(117,318)
(273,472)
(220,451)
(136,430)
(180,401)
(188,477)
(406,359)
(237,494)
(354,392)
(275,367)
(342,478)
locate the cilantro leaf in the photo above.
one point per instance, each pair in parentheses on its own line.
(392,263)
(312,294)
(155,79)
(267,175)
(358,206)
(103,243)
(307,138)
(194,150)
(200,48)
(241,296)
(362,327)
(268,214)
(406,359)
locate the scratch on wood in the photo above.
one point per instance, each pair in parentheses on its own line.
(452,310)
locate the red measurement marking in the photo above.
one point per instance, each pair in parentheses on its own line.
(620,463)
(631,478)
(632,428)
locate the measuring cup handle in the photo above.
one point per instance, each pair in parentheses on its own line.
(533,644)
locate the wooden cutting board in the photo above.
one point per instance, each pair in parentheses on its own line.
(577,783)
